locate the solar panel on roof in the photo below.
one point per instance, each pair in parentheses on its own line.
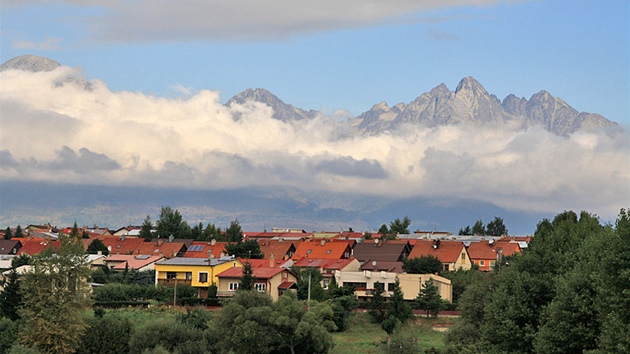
(196,248)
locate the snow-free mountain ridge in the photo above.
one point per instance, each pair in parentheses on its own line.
(470,104)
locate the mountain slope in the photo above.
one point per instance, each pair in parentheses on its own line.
(30,63)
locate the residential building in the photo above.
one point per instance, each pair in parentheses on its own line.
(485,254)
(273,281)
(329,249)
(9,247)
(122,262)
(197,272)
(205,249)
(410,284)
(452,254)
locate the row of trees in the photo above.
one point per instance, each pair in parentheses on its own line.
(567,293)
(493,228)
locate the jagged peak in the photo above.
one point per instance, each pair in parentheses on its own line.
(469,83)
(31,63)
(381,106)
(441,88)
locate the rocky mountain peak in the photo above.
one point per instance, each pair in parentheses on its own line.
(469,84)
(282,111)
(32,63)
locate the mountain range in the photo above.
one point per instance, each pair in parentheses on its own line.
(469,104)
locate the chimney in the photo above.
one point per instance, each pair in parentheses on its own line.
(213,242)
(272,262)
(171,238)
(123,237)
(323,242)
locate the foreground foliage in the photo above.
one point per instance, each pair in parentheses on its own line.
(568,292)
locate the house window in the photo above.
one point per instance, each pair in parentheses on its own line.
(463,256)
(446,268)
(262,287)
(346,254)
(284,275)
(171,275)
(390,286)
(492,263)
(326,283)
(328,252)
(188,275)
(482,263)
(233,286)
(203,277)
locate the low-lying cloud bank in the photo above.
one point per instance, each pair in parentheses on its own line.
(59,127)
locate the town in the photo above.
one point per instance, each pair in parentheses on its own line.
(223,278)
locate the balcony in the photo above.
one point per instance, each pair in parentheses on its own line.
(171,282)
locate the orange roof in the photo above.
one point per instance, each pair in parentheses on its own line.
(121,245)
(330,249)
(258,273)
(36,245)
(446,251)
(278,248)
(158,247)
(483,250)
(202,249)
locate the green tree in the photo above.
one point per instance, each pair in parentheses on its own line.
(106,335)
(146,230)
(197,231)
(55,296)
(478,228)
(496,227)
(234,232)
(377,303)
(212,232)
(247,282)
(96,246)
(422,265)
(404,340)
(429,299)
(245,249)
(397,307)
(18,232)
(399,226)
(11,297)
(317,291)
(23,259)
(383,230)
(171,224)
(8,234)
(467,231)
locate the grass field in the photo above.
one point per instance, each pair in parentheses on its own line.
(363,336)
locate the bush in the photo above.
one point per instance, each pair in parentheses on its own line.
(106,335)
(168,333)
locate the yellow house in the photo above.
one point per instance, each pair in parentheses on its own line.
(197,272)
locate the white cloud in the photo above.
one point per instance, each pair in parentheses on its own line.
(56,126)
(168,20)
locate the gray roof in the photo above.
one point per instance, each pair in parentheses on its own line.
(197,261)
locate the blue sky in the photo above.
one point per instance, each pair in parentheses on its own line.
(338,57)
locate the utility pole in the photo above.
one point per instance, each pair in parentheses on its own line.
(309,290)
(175,293)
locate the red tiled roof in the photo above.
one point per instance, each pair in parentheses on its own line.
(35,246)
(201,249)
(121,245)
(446,251)
(158,247)
(331,249)
(287,285)
(486,251)
(279,249)
(388,251)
